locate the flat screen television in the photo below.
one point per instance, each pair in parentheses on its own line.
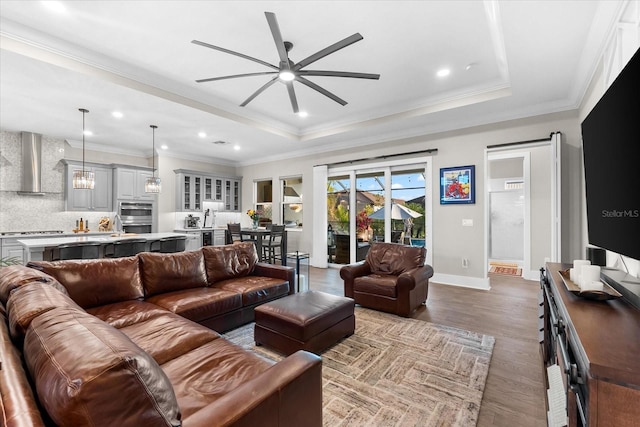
(610,144)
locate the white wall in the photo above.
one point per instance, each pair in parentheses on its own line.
(451,241)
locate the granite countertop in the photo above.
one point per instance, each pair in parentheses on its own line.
(61,239)
(40,235)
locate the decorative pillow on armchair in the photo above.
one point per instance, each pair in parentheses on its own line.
(394,259)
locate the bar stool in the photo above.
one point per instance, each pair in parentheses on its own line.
(169,245)
(79,250)
(126,247)
(272,249)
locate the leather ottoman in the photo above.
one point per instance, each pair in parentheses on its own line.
(311,321)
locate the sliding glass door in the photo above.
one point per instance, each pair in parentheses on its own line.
(382,203)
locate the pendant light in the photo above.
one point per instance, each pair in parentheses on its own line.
(153,184)
(83,179)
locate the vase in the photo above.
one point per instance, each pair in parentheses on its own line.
(254,224)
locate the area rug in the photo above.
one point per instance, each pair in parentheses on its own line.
(510,271)
(398,372)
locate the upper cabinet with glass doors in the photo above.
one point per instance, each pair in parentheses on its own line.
(193,188)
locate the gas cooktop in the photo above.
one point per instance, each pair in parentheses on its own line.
(25,233)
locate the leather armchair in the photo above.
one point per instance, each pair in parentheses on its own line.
(392,278)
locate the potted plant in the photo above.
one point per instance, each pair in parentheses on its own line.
(5,262)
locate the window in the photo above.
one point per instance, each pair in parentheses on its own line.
(292,201)
(264,201)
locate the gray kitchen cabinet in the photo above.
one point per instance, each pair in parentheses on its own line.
(219,237)
(12,249)
(189,194)
(232,195)
(194,240)
(193,188)
(129,184)
(98,199)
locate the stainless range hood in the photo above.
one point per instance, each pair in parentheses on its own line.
(31,164)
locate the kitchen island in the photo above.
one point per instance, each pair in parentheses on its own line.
(41,249)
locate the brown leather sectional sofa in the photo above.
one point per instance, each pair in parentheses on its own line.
(122,342)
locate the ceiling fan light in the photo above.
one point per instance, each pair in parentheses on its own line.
(286,75)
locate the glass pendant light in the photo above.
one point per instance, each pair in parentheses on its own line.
(153,184)
(83,179)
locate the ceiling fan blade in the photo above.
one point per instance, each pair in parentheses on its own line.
(322,90)
(328,50)
(292,97)
(339,74)
(235,76)
(277,38)
(231,52)
(259,91)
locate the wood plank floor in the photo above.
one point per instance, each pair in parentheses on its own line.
(514,393)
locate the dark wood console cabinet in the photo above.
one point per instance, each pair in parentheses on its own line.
(597,346)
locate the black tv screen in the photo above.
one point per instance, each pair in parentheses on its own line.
(610,143)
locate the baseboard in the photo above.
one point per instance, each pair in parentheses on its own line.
(463,281)
(531,275)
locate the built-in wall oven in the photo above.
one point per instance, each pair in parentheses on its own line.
(136,217)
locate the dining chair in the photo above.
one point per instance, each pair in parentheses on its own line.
(79,250)
(272,249)
(235,231)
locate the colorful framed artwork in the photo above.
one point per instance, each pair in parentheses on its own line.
(458,185)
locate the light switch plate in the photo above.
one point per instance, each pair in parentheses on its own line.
(467,223)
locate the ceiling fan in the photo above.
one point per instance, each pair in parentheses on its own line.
(288,71)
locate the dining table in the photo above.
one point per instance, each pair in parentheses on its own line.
(260,235)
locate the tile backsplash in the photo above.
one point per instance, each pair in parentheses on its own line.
(36,213)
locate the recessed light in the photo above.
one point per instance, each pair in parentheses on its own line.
(236,147)
(117,114)
(444,72)
(302,114)
(164,146)
(55,6)
(88,133)
(202,134)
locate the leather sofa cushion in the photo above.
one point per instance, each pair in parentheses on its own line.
(394,258)
(18,406)
(199,304)
(96,282)
(166,337)
(211,371)
(14,276)
(163,273)
(88,373)
(376,284)
(28,302)
(125,313)
(229,261)
(255,289)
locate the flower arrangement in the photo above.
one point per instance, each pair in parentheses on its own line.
(253,214)
(362,221)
